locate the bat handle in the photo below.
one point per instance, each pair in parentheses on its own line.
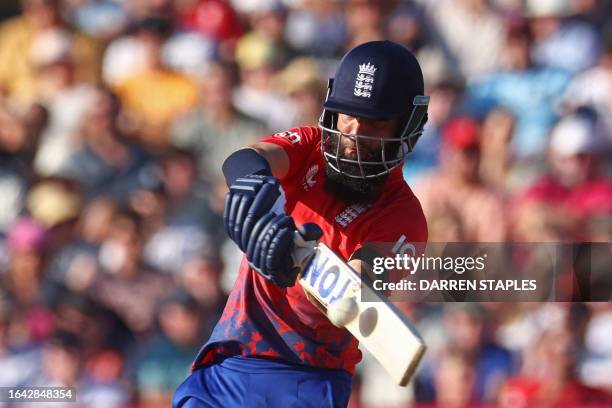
(303,251)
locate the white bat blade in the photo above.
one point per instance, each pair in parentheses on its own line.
(378,325)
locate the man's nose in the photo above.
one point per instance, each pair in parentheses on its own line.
(355,126)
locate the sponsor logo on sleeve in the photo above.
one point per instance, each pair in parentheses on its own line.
(293,137)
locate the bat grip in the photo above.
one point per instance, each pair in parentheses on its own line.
(303,251)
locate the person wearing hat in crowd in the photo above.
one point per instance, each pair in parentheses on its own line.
(457,186)
(342,183)
(562,203)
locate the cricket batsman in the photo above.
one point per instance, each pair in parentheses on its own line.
(341,183)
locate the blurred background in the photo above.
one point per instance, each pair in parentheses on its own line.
(115,117)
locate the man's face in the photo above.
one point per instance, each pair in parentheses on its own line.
(369,149)
(465,163)
(356,189)
(572,170)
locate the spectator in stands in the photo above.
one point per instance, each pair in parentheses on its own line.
(255,96)
(100,19)
(74,266)
(167,359)
(215,128)
(17,143)
(455,381)
(445,95)
(125,274)
(201,278)
(150,110)
(364,21)
(104,384)
(301,81)
(559,41)
(56,204)
(18,75)
(594,366)
(458,186)
(529,91)
(471,354)
(496,152)
(26,243)
(557,205)
(63,95)
(593,87)
(106,163)
(548,374)
(317,28)
(188,226)
(215,19)
(61,364)
(473,33)
(19,355)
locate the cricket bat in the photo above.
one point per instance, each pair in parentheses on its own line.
(378,325)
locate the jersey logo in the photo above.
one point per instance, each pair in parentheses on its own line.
(364,80)
(400,248)
(350,213)
(293,137)
(309,179)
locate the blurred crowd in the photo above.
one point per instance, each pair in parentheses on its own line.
(115,117)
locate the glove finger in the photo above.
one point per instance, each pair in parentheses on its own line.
(273,181)
(281,221)
(245,186)
(254,238)
(310,231)
(262,240)
(260,205)
(278,258)
(241,213)
(228,213)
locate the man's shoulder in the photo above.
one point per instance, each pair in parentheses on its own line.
(299,134)
(298,142)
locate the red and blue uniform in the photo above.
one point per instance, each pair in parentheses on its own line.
(265,321)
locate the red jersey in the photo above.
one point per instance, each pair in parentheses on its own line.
(264,320)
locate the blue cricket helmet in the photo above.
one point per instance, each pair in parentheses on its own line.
(378,80)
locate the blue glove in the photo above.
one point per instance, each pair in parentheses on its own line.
(249,199)
(254,219)
(271,247)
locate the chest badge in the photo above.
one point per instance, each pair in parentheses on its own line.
(350,213)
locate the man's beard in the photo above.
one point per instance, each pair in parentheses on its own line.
(356,189)
(349,189)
